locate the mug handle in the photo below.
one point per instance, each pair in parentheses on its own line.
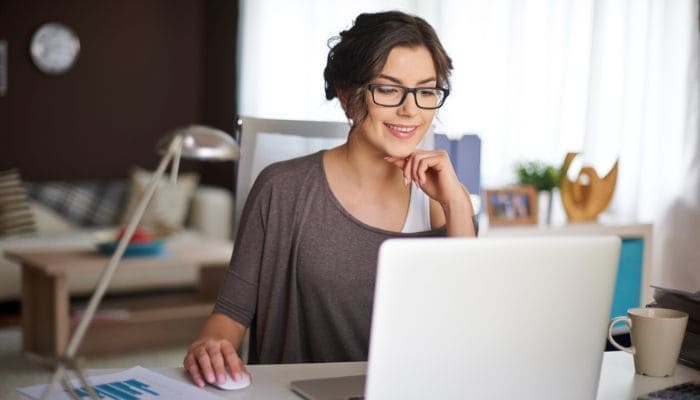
(615,320)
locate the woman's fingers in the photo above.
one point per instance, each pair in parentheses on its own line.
(404,164)
(421,165)
(235,364)
(422,161)
(408,170)
(211,360)
(411,171)
(204,362)
(416,166)
(191,366)
(217,362)
(433,162)
(398,162)
(421,168)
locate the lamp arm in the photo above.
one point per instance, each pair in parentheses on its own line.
(176,163)
(108,272)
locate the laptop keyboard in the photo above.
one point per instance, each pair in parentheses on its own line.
(683,391)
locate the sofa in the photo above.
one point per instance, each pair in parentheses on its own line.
(209,212)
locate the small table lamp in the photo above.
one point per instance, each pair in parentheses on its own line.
(194,142)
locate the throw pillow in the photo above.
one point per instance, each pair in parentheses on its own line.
(84,203)
(15,211)
(49,221)
(170,204)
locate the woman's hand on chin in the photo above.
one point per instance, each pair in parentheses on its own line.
(432,171)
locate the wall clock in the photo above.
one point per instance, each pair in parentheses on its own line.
(54,48)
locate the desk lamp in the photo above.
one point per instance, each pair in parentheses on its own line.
(194,142)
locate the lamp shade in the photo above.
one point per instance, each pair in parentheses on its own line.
(201,142)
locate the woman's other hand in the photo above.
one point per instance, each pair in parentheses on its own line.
(213,354)
(432,171)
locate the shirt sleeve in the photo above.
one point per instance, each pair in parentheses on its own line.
(239,292)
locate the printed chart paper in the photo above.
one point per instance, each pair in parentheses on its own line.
(136,383)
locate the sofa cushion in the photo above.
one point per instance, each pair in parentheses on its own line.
(48,221)
(212,210)
(15,212)
(86,203)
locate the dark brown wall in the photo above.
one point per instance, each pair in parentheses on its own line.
(145,68)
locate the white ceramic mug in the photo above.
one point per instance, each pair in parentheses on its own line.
(657,335)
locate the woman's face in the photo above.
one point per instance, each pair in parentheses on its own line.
(396,131)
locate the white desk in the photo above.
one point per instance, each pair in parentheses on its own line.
(617,382)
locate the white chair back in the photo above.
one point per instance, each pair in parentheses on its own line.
(265,141)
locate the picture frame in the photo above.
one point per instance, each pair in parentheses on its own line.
(512,206)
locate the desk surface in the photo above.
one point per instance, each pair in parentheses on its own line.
(618,380)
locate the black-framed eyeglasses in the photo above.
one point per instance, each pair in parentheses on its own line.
(427,98)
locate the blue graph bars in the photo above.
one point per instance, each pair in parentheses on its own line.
(131,389)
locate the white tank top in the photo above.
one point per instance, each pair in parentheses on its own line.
(418,218)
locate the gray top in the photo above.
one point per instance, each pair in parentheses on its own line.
(303,269)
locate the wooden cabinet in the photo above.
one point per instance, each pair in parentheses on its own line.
(634,270)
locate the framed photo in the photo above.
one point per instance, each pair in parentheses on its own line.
(512,206)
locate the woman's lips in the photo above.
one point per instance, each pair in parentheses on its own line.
(401,131)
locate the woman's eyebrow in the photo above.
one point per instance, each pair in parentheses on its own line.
(397,80)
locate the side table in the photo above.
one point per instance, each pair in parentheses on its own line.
(146,320)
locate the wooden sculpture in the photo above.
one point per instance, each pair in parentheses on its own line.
(589,195)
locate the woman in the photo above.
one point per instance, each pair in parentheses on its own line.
(303,269)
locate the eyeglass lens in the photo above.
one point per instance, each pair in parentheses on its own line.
(394,95)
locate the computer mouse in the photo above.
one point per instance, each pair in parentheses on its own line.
(230,384)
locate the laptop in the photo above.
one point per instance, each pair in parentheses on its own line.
(497,318)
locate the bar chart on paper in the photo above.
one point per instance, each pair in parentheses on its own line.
(130,389)
(136,383)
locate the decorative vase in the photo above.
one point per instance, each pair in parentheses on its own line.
(588,195)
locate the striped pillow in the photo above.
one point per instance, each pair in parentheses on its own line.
(85,203)
(15,212)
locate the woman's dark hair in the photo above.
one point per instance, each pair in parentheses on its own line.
(359,54)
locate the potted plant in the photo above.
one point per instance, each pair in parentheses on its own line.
(544,177)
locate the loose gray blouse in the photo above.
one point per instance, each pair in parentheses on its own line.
(303,269)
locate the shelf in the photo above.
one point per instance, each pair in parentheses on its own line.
(144,321)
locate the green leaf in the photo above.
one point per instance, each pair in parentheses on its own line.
(538,174)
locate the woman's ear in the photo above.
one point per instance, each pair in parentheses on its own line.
(347,102)
(343,98)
